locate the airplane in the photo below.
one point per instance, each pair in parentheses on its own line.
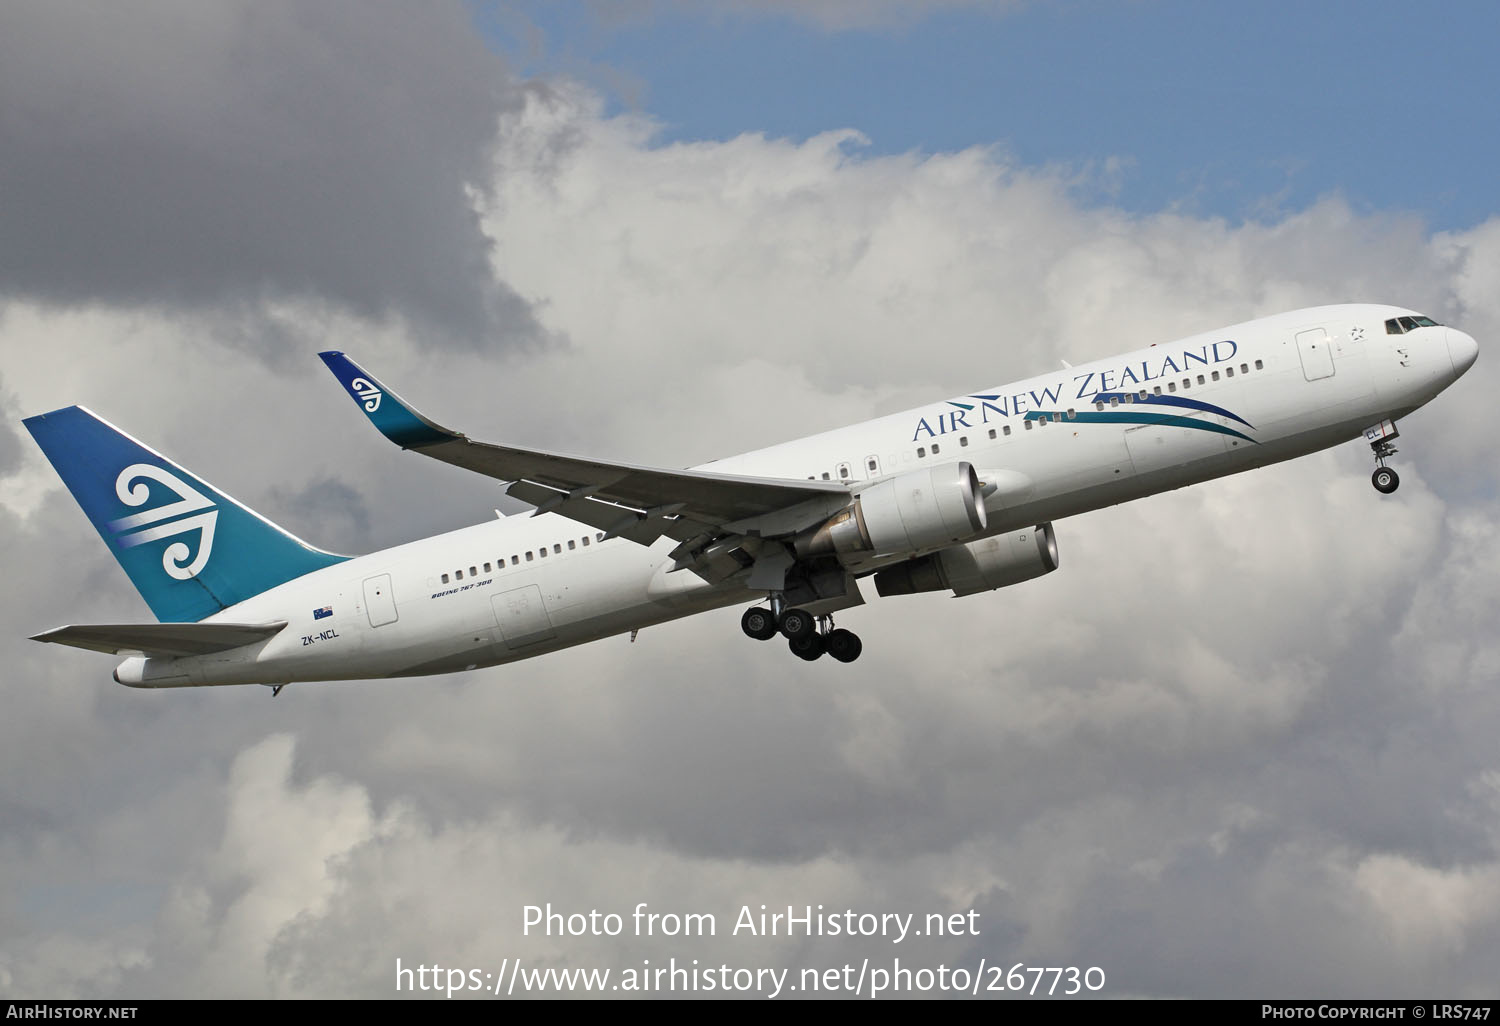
(959,495)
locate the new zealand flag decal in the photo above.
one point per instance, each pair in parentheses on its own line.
(323,614)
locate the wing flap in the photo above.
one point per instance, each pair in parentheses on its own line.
(169,640)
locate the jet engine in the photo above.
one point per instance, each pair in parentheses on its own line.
(978,566)
(913,512)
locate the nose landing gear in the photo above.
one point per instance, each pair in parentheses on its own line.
(1385,479)
(808,637)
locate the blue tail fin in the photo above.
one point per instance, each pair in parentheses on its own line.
(188,548)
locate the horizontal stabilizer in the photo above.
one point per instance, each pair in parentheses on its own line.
(161,640)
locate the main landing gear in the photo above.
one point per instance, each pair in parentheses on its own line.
(806,635)
(1385,479)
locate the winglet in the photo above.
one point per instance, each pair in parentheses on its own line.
(386,410)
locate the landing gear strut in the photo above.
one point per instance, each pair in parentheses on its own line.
(1385,479)
(808,636)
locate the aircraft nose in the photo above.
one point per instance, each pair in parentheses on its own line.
(1462,350)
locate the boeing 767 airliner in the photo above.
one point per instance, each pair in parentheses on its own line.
(959,495)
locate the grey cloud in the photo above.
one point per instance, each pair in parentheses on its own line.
(10,440)
(334,512)
(167,154)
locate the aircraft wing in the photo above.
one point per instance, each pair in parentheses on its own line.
(167,640)
(642,504)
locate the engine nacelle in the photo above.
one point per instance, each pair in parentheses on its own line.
(913,512)
(982,565)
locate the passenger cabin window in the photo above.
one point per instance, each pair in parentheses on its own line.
(1171,386)
(1259,365)
(515,560)
(1200,379)
(1006,429)
(873,466)
(921,452)
(585,541)
(572,544)
(992,432)
(528,557)
(445,578)
(486,568)
(1229,372)
(557,550)
(963,440)
(1244,368)
(458,575)
(1216,375)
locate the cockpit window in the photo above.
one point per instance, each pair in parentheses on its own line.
(1401,325)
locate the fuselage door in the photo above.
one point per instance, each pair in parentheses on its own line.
(380,601)
(1317,354)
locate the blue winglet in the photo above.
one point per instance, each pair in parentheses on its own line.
(396,420)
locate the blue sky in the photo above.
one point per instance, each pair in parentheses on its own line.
(1235,110)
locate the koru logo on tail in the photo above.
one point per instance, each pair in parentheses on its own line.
(368,392)
(195,510)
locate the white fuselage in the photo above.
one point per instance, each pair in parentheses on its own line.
(1051,446)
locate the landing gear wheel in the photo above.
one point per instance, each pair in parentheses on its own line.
(1385,480)
(843,645)
(758,623)
(798,623)
(809,647)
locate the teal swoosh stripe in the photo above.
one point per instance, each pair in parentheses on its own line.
(1172,400)
(961,406)
(1165,420)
